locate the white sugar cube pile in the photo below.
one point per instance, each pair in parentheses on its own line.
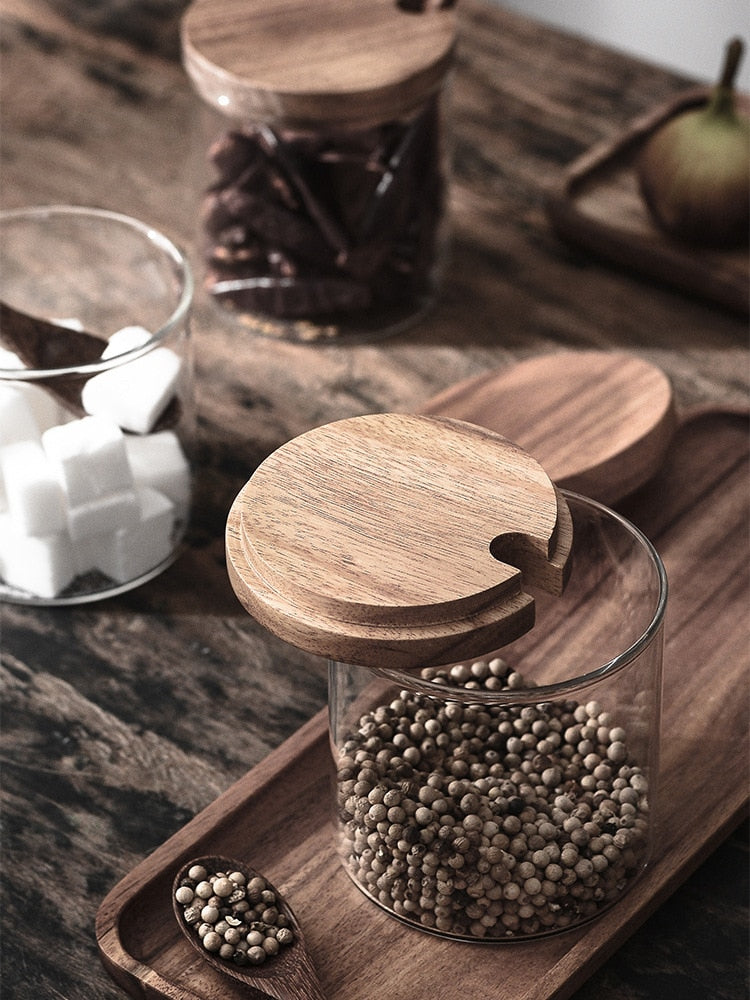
(78,495)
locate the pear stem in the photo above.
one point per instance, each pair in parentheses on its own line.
(732,60)
(722,98)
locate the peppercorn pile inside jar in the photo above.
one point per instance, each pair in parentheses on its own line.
(483,822)
(325,212)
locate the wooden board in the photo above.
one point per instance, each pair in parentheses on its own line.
(597,205)
(278,816)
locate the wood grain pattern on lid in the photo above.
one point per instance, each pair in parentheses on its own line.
(337,61)
(398,539)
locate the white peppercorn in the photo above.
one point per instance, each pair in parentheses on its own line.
(204,890)
(617,751)
(184,895)
(233,935)
(223,887)
(212,941)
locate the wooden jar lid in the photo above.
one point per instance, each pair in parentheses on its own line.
(335,61)
(400,541)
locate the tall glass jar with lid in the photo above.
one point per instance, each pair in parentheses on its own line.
(495,663)
(324,209)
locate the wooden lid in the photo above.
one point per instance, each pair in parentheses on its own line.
(599,422)
(336,61)
(392,540)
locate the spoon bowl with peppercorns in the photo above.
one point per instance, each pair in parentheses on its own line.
(242,926)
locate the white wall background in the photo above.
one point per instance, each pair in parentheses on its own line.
(684,35)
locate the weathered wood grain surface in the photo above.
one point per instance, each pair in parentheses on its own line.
(121,720)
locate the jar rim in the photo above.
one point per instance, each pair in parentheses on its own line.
(172,252)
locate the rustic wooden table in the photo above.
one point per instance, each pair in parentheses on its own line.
(122,720)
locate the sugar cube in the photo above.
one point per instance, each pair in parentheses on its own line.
(91,458)
(9,359)
(134,394)
(40,565)
(129,552)
(157,460)
(118,510)
(126,339)
(33,492)
(93,467)
(17,418)
(69,322)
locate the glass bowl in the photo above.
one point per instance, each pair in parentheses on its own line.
(96,403)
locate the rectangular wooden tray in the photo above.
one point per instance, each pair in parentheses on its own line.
(597,205)
(278,816)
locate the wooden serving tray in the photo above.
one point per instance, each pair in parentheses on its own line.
(597,205)
(278,816)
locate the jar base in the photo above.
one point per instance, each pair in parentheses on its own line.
(510,937)
(364,327)
(85,588)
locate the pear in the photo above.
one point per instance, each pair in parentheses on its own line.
(694,171)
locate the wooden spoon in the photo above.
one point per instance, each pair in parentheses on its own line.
(42,345)
(598,423)
(289,975)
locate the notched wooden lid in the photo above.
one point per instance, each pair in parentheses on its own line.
(401,541)
(337,61)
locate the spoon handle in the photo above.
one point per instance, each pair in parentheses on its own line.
(302,984)
(303,987)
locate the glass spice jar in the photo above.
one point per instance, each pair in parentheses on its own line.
(495,768)
(324,215)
